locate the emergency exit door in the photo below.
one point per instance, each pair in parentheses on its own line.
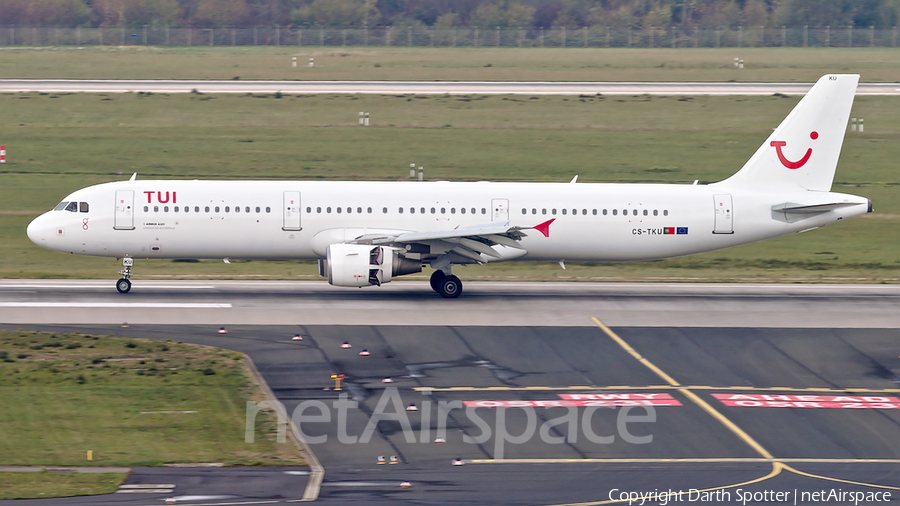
(291,211)
(724,215)
(124,210)
(500,210)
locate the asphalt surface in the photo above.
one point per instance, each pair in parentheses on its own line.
(482,304)
(778,449)
(423,87)
(535,342)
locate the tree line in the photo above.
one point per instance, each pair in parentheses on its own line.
(448,14)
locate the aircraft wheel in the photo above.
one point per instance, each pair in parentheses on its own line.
(436,278)
(123,285)
(450,287)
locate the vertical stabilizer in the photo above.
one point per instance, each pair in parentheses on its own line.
(804,150)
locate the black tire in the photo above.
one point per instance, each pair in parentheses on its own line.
(436,278)
(123,285)
(450,287)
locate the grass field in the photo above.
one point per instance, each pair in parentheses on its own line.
(60,142)
(450,64)
(65,394)
(44,485)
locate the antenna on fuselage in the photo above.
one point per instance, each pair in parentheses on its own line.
(133,177)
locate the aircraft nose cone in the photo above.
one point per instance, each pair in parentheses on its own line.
(35,230)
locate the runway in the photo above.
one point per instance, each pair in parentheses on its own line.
(423,87)
(698,441)
(544,399)
(482,304)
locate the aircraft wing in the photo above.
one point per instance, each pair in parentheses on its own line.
(468,242)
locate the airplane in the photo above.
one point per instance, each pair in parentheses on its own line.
(368,233)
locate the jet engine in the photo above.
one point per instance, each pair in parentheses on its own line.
(363,265)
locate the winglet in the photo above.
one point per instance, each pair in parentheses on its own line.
(544,227)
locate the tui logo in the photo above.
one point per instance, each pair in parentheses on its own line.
(783,159)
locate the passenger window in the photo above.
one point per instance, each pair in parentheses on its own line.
(83,207)
(543,211)
(369,210)
(146,209)
(339,210)
(176,209)
(483,211)
(196,209)
(452,210)
(72,207)
(268,209)
(359,210)
(328,210)
(553,211)
(349,210)
(615,212)
(187,209)
(384,210)
(309,210)
(584,211)
(524,211)
(443,210)
(247,209)
(624,212)
(634,212)
(533,211)
(595,212)
(165,209)
(564,211)
(665,212)
(575,211)
(62,205)
(318,209)
(400,210)
(155,209)
(604,212)
(206,209)
(655,212)
(432,210)
(462,210)
(412,210)
(645,212)
(422,210)
(237,209)
(217,209)
(257,209)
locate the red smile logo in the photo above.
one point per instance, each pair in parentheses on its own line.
(787,163)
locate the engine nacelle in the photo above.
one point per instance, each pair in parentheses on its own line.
(363,265)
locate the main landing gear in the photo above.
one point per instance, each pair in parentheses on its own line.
(449,286)
(123,285)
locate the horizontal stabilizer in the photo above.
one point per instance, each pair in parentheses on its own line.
(790,208)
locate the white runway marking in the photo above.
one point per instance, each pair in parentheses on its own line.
(106,286)
(153,305)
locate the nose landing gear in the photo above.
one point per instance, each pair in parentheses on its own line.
(123,285)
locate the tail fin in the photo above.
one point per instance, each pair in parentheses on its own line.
(804,149)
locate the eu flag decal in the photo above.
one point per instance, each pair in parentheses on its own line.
(682,230)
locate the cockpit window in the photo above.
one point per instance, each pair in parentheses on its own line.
(72,207)
(83,207)
(62,205)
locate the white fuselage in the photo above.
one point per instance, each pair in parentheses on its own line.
(262,220)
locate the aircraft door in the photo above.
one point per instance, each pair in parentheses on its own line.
(724,215)
(500,210)
(291,211)
(124,210)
